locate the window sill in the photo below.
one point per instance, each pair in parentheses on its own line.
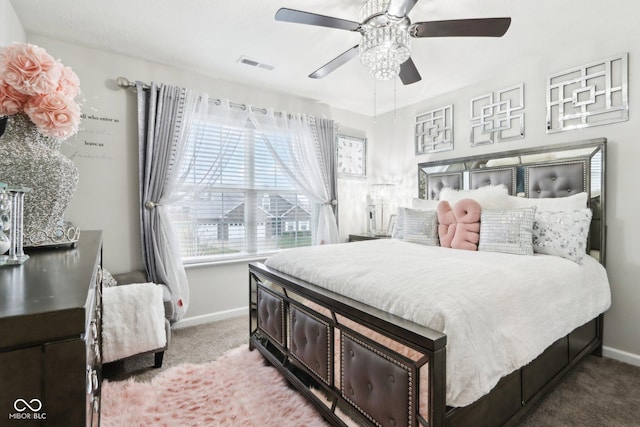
(206,262)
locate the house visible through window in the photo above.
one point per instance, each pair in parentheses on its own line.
(236,201)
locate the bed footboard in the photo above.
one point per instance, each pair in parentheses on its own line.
(361,366)
(356,364)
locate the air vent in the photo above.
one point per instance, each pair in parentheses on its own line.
(250,61)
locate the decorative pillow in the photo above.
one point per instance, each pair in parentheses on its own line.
(458,227)
(562,233)
(397,232)
(418,204)
(489,197)
(107,279)
(570,203)
(420,226)
(507,231)
(424,204)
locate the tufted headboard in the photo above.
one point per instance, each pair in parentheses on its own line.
(494,176)
(556,179)
(543,172)
(437,181)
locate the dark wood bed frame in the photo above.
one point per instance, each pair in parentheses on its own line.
(298,327)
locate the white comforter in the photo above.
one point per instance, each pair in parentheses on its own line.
(499,311)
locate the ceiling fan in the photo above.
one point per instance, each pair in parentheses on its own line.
(386,30)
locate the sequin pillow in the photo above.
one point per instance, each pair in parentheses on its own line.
(562,233)
(507,231)
(107,279)
(420,226)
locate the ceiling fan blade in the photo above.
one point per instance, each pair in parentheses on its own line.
(409,73)
(482,27)
(400,8)
(335,63)
(300,17)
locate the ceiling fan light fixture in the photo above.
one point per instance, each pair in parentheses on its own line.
(386,33)
(385,43)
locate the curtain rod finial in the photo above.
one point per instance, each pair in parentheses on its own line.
(124,82)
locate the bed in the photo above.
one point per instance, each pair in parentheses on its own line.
(391,332)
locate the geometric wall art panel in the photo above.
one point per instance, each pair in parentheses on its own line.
(589,95)
(434,130)
(498,117)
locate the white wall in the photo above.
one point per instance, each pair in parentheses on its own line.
(396,159)
(106,154)
(10,27)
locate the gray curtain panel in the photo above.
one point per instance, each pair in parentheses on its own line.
(161,112)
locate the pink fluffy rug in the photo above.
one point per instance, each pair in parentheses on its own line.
(232,391)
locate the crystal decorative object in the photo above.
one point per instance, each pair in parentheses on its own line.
(5,207)
(32,160)
(5,243)
(380,194)
(385,43)
(13,212)
(5,217)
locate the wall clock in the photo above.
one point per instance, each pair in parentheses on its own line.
(352,156)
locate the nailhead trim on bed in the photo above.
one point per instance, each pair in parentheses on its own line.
(411,406)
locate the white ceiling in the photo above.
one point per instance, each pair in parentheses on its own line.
(209,36)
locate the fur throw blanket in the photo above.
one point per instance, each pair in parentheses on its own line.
(133,320)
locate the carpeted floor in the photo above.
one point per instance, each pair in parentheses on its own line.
(600,392)
(197,344)
(232,391)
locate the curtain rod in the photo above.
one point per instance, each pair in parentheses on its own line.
(125,83)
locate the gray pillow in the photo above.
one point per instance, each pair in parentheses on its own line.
(507,231)
(419,226)
(562,233)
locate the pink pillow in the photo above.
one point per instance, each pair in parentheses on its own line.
(459,228)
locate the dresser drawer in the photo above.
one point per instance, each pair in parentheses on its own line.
(50,351)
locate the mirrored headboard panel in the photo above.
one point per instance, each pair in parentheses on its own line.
(549,171)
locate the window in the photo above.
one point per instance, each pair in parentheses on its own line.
(236,200)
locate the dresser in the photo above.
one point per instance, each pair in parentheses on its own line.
(50,336)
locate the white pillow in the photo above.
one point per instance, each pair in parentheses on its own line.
(570,203)
(424,204)
(562,233)
(489,197)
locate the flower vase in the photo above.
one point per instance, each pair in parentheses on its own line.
(30,159)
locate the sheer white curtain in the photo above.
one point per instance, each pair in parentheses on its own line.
(299,155)
(220,122)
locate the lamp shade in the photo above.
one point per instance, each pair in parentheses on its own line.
(381,193)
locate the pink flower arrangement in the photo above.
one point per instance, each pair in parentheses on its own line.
(33,83)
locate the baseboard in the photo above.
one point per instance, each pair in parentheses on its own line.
(623,356)
(211,317)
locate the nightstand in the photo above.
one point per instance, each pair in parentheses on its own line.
(367,236)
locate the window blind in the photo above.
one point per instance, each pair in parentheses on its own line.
(235,200)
